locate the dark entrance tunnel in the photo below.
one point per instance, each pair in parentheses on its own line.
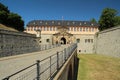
(63,40)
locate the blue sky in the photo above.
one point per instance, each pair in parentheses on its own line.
(82,10)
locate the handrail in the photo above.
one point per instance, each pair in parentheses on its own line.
(44,69)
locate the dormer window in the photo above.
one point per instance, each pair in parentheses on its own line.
(68,23)
(34,23)
(52,22)
(73,22)
(40,21)
(58,23)
(80,24)
(84,22)
(92,24)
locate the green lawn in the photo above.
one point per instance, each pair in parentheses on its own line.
(98,67)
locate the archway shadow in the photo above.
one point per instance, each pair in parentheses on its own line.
(76,69)
(64,40)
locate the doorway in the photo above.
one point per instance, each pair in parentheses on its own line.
(63,40)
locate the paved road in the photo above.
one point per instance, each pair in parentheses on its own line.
(10,65)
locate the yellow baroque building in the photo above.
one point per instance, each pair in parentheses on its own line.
(65,32)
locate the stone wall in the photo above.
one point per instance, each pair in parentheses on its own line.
(46,39)
(13,43)
(108,42)
(85,44)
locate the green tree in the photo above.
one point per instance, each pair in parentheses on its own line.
(11,19)
(15,21)
(93,20)
(117,20)
(3,17)
(107,19)
(4,8)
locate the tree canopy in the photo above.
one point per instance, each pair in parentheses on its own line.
(93,20)
(11,19)
(108,19)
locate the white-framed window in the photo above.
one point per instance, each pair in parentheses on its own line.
(87,29)
(50,28)
(81,29)
(74,28)
(69,28)
(55,28)
(93,29)
(78,28)
(39,28)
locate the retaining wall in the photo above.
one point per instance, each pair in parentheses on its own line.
(108,42)
(13,43)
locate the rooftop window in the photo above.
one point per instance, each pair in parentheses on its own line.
(33,22)
(92,24)
(58,23)
(73,22)
(40,21)
(68,23)
(80,24)
(84,22)
(53,22)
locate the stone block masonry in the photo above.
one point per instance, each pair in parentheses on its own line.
(14,43)
(108,42)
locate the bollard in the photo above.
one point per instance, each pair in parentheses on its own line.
(38,70)
(57,60)
(50,66)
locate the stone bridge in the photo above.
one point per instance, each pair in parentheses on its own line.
(23,58)
(53,64)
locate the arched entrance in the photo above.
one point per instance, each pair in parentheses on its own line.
(63,40)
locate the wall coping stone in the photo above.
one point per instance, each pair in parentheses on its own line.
(8,32)
(110,29)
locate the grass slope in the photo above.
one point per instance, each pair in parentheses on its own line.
(98,67)
(6,28)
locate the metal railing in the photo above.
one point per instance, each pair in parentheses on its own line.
(44,69)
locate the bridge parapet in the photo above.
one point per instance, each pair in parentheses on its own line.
(44,69)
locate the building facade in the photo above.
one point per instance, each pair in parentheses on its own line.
(65,32)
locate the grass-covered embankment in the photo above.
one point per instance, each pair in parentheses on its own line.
(98,67)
